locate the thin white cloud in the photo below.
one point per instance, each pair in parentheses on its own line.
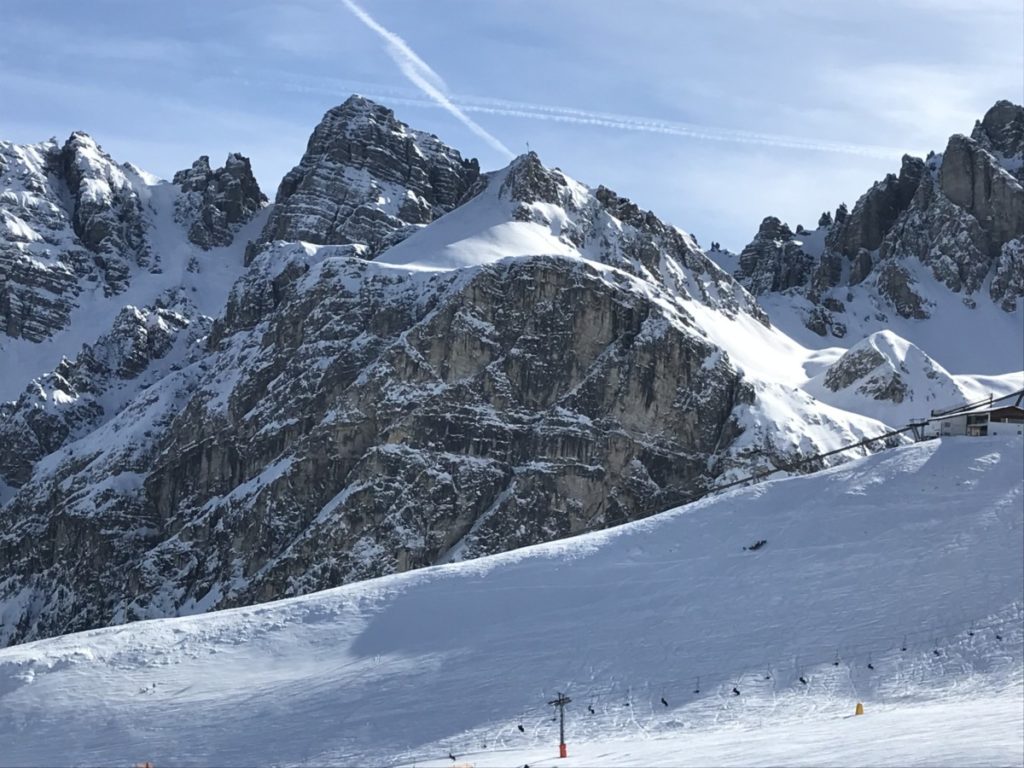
(422,76)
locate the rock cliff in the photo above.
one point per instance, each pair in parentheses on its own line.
(955,220)
(215,204)
(366,177)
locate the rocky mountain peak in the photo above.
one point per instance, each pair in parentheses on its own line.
(354,115)
(959,215)
(1001,131)
(773,260)
(215,204)
(773,229)
(366,177)
(528,181)
(195,178)
(887,376)
(106,211)
(974,179)
(877,210)
(80,141)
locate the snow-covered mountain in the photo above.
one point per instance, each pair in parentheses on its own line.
(82,237)
(402,361)
(935,254)
(894,581)
(887,377)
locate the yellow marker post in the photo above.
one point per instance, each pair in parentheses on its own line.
(859,710)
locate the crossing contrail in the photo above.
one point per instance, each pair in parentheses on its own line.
(668,127)
(551,113)
(420,74)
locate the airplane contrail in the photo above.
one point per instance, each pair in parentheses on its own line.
(669,127)
(545,112)
(420,74)
(650,125)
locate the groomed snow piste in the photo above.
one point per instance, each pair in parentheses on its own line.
(919,547)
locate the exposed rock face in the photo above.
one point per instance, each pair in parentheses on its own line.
(864,364)
(366,177)
(216,203)
(617,232)
(69,216)
(372,420)
(877,210)
(1001,133)
(106,213)
(535,400)
(1008,280)
(80,394)
(772,261)
(972,180)
(347,418)
(955,214)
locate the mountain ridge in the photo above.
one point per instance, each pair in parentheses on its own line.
(950,225)
(401,361)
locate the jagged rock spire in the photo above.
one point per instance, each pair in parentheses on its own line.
(366,177)
(216,203)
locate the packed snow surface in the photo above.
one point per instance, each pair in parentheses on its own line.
(481,231)
(918,547)
(961,730)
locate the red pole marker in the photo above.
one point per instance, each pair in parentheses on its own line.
(560,702)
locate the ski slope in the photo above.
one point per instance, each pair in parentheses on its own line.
(919,547)
(961,731)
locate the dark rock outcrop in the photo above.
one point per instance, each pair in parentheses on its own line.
(1001,133)
(773,261)
(106,212)
(877,210)
(368,178)
(216,203)
(972,180)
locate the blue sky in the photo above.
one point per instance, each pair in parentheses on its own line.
(713,114)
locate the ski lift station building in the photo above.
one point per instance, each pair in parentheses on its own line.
(979,422)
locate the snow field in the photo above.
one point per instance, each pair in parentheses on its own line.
(922,541)
(954,731)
